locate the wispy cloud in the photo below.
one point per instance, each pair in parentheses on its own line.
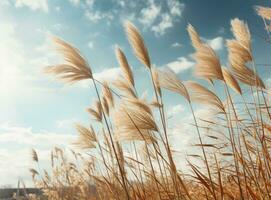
(165,23)
(90,44)
(176,44)
(176,8)
(159,16)
(168,18)
(33,4)
(108,75)
(180,65)
(150,13)
(175,110)
(75,2)
(12,78)
(96,16)
(216,43)
(15,146)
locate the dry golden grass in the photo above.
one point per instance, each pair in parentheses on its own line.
(127,154)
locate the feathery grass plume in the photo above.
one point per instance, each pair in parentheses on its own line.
(264,12)
(139,103)
(86,138)
(202,95)
(238,56)
(231,81)
(235,48)
(125,67)
(105,105)
(155,76)
(241,33)
(76,67)
(33,172)
(132,135)
(137,44)
(34,155)
(194,36)
(169,80)
(208,64)
(126,88)
(96,112)
(108,94)
(243,73)
(132,115)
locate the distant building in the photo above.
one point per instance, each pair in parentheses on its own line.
(7,193)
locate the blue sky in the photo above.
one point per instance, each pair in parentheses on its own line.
(38,112)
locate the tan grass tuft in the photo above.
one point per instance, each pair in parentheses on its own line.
(76,67)
(170,81)
(96,112)
(231,81)
(241,33)
(137,44)
(264,12)
(156,81)
(125,87)
(194,36)
(127,72)
(105,105)
(243,73)
(202,95)
(107,94)
(133,135)
(86,138)
(134,115)
(235,48)
(208,64)
(34,173)
(34,155)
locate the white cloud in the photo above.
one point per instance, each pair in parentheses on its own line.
(174,110)
(57,8)
(176,44)
(150,13)
(33,4)
(90,3)
(165,23)
(95,16)
(121,3)
(47,51)
(12,77)
(90,45)
(216,43)
(20,72)
(25,136)
(108,74)
(167,15)
(75,2)
(15,147)
(58,27)
(4,3)
(176,8)
(181,64)
(66,123)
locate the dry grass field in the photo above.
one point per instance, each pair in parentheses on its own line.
(233,147)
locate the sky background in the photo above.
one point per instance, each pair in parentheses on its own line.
(38,112)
